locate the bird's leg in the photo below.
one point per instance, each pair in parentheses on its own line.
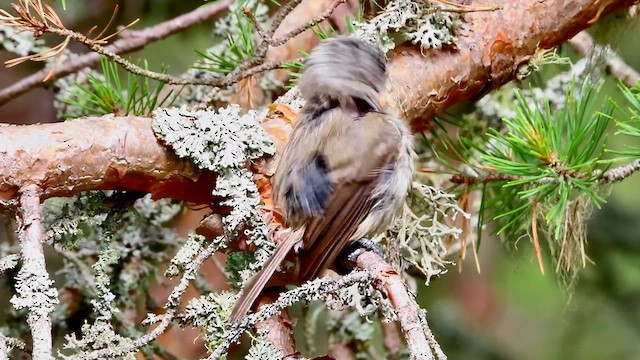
(351,253)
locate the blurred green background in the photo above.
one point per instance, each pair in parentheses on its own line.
(509,310)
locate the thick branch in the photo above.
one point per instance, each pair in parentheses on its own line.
(96,153)
(487,55)
(131,41)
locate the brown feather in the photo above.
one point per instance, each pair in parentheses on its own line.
(325,241)
(256,284)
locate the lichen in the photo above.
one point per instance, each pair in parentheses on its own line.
(34,291)
(420,22)
(211,314)
(192,247)
(97,336)
(220,141)
(8,262)
(264,350)
(419,237)
(225,141)
(21,43)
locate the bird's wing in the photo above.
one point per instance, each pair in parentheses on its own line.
(325,237)
(354,175)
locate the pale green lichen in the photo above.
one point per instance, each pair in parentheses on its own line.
(34,291)
(420,22)
(418,238)
(211,314)
(21,43)
(225,141)
(264,350)
(8,262)
(322,289)
(220,141)
(186,254)
(97,336)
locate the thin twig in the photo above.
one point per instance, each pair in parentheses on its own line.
(30,234)
(318,288)
(131,41)
(278,329)
(261,51)
(610,176)
(584,44)
(620,173)
(165,319)
(299,30)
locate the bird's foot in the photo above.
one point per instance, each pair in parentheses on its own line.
(356,249)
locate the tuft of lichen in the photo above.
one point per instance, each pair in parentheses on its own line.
(97,336)
(211,314)
(420,22)
(191,248)
(264,350)
(8,262)
(225,141)
(419,237)
(21,43)
(34,291)
(220,141)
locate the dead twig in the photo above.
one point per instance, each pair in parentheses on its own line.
(130,41)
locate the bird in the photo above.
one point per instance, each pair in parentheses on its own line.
(346,171)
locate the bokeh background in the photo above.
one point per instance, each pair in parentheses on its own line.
(507,311)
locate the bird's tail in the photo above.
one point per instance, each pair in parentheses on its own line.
(257,283)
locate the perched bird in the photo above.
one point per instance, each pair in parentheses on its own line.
(346,171)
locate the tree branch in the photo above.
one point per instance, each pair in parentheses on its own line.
(583,43)
(130,41)
(420,341)
(487,55)
(35,290)
(120,153)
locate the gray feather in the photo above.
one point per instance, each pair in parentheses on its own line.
(347,69)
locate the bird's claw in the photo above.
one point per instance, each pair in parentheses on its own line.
(358,248)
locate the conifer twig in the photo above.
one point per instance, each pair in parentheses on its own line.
(268,37)
(130,40)
(612,175)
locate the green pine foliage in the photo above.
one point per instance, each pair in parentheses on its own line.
(106,93)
